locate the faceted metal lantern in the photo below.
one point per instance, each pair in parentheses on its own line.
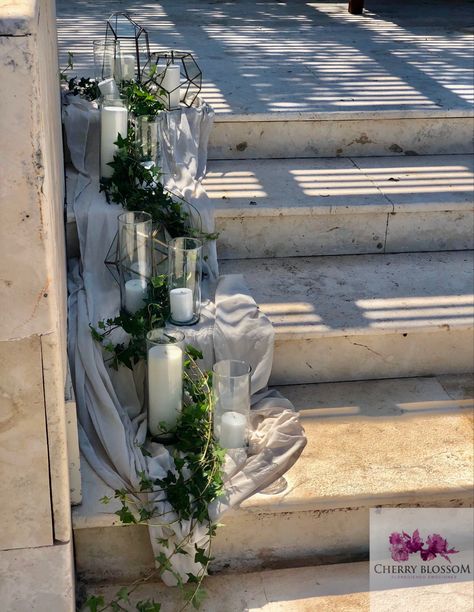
(133,43)
(160,238)
(159,79)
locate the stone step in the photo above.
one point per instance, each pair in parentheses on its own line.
(363,451)
(288,207)
(338,206)
(342,134)
(357,317)
(341,587)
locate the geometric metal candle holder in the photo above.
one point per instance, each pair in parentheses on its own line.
(154,76)
(160,238)
(132,38)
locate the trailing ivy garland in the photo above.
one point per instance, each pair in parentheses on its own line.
(196,480)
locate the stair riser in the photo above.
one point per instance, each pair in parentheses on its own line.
(247,541)
(364,357)
(233,139)
(287,235)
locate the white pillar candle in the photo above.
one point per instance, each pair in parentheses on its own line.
(135,293)
(108,87)
(171,83)
(181,304)
(127,67)
(233,430)
(113,121)
(165,386)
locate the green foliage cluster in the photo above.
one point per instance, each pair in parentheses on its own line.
(140,100)
(137,188)
(190,488)
(154,314)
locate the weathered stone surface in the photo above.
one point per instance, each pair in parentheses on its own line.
(32,266)
(291,236)
(363,450)
(330,588)
(38,579)
(434,231)
(18,17)
(294,207)
(350,318)
(283,59)
(25,515)
(269,137)
(33,453)
(75,485)
(53,381)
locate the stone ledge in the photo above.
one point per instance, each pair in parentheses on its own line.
(19,17)
(374,115)
(348,185)
(380,462)
(328,588)
(363,451)
(363,295)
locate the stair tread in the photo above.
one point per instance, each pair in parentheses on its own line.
(348,295)
(342,587)
(363,449)
(305,186)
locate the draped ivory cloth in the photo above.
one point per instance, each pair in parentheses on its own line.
(112,423)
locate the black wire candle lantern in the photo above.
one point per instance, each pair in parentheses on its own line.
(174,76)
(133,44)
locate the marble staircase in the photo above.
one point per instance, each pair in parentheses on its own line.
(363,264)
(365,449)
(349,210)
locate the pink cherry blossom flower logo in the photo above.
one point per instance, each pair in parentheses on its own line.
(402,545)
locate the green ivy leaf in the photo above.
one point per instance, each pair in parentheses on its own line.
(123,595)
(126,516)
(148,606)
(95,602)
(201,555)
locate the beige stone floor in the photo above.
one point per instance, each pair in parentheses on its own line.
(331,588)
(298,56)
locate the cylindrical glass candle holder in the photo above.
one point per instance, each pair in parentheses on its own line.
(135,258)
(127,62)
(231,391)
(106,59)
(113,121)
(184,280)
(148,139)
(165,380)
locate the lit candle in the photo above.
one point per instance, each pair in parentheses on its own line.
(165,386)
(181,304)
(127,67)
(108,87)
(171,83)
(135,293)
(233,430)
(113,121)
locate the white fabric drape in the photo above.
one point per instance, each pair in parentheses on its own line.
(112,424)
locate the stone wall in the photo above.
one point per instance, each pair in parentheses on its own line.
(35,510)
